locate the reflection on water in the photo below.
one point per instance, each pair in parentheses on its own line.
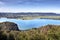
(35,23)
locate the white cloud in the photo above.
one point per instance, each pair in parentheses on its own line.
(2,3)
(12,9)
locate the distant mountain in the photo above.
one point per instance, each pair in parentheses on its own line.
(16,15)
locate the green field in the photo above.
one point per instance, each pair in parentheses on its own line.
(38,17)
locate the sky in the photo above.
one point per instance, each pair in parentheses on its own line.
(30,6)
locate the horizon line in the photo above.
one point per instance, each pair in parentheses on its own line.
(27,12)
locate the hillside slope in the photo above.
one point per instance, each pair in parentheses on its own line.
(48,32)
(8,26)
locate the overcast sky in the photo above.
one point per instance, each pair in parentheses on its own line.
(30,6)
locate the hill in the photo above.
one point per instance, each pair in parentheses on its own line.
(8,26)
(18,15)
(48,32)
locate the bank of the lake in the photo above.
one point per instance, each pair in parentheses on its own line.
(34,23)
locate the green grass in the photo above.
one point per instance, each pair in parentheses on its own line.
(49,32)
(35,17)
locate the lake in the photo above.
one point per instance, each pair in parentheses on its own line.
(34,23)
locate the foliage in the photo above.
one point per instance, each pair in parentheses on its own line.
(49,32)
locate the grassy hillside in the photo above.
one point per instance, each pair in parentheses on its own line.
(48,32)
(38,17)
(8,26)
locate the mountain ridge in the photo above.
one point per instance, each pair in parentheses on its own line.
(17,15)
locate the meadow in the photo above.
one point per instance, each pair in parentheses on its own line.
(38,17)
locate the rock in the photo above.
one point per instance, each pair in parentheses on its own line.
(8,26)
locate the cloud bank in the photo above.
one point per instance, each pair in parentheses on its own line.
(30,6)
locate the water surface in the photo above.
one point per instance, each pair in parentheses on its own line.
(28,24)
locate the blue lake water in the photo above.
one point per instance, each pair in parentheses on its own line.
(28,24)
